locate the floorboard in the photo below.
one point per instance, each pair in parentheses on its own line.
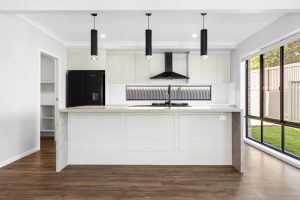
(34,178)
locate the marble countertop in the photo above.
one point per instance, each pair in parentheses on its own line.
(151,109)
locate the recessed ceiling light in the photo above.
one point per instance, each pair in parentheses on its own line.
(194,35)
(103,36)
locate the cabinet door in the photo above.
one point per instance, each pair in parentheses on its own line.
(77,59)
(98,64)
(143,135)
(128,67)
(195,68)
(180,63)
(157,64)
(142,70)
(115,74)
(223,68)
(210,69)
(205,133)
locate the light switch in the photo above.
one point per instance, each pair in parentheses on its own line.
(222,118)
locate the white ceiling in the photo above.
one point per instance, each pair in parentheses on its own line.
(144,5)
(125,29)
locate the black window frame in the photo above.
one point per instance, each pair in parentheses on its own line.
(282,122)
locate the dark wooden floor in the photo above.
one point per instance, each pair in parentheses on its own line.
(34,177)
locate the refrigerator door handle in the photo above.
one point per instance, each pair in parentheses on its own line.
(101,94)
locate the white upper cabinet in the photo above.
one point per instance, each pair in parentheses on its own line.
(128,68)
(210,69)
(135,68)
(195,69)
(180,63)
(157,64)
(223,67)
(214,69)
(115,69)
(76,59)
(142,68)
(81,60)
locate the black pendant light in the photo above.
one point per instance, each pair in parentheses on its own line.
(94,40)
(203,48)
(148,34)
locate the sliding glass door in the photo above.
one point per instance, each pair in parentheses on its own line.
(273,99)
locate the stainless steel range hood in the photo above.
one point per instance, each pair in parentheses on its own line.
(169,74)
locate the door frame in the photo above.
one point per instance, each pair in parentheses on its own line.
(57,68)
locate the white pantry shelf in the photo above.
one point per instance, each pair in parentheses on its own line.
(48,117)
(48,130)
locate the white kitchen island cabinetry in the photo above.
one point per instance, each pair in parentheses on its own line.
(100,135)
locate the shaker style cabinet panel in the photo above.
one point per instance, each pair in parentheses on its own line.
(81,60)
(121,68)
(143,135)
(195,68)
(196,133)
(214,69)
(210,69)
(115,69)
(142,68)
(76,59)
(223,67)
(157,64)
(180,63)
(128,68)
(108,139)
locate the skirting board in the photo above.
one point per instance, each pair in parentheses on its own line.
(274,153)
(15,158)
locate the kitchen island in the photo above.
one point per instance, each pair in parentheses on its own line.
(124,135)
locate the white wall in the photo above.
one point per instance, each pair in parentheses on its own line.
(20,85)
(279,29)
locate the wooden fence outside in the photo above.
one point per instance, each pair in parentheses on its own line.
(272,92)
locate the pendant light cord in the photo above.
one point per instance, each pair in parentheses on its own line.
(203,15)
(94,15)
(148,15)
(94,22)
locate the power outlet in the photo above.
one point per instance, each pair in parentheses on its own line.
(222,118)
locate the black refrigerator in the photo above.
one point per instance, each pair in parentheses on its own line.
(85,87)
